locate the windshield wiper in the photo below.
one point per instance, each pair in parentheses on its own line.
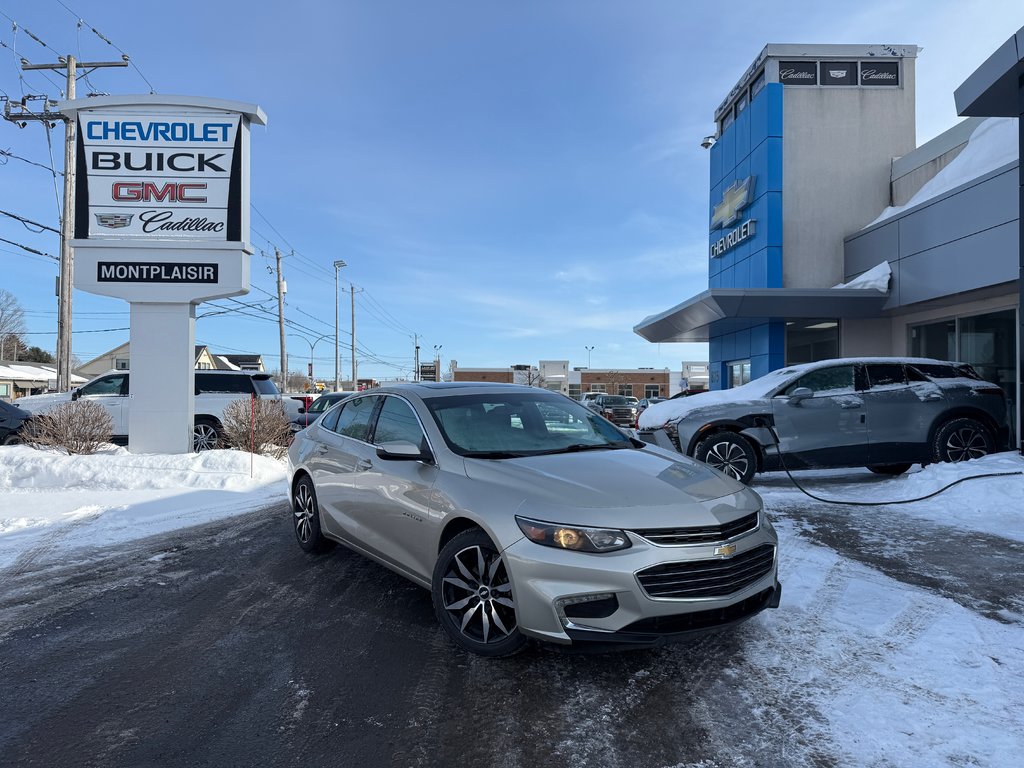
(577,447)
(494,455)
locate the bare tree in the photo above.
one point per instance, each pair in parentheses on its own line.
(258,426)
(12,324)
(78,427)
(532,378)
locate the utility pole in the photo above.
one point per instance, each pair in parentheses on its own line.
(280,321)
(416,364)
(67,264)
(355,381)
(437,362)
(337,353)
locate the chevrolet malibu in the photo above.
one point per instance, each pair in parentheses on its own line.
(527,515)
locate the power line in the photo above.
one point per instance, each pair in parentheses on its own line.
(26,222)
(80,21)
(30,250)
(6,153)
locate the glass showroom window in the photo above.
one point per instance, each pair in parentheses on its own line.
(808,341)
(574,391)
(739,373)
(652,390)
(987,342)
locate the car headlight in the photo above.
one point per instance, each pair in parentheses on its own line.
(574,537)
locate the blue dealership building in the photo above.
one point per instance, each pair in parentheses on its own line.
(832,234)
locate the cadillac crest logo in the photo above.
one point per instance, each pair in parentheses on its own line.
(114,220)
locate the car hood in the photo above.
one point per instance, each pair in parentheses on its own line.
(37,403)
(619,488)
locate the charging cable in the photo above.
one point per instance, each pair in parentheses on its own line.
(943,489)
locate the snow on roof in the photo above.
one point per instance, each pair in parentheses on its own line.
(877,277)
(992,145)
(33,373)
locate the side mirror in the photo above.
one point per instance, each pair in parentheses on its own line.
(75,394)
(402,450)
(800,394)
(301,409)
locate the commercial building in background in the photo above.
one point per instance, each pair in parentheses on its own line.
(557,376)
(831,234)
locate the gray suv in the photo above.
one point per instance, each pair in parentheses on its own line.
(882,413)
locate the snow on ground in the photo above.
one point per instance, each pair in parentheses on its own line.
(115,496)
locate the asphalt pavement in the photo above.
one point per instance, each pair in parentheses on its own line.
(225,645)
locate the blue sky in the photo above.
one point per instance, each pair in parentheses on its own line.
(511,181)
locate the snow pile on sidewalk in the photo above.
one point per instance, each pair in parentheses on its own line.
(116,496)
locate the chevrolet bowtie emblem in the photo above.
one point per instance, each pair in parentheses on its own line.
(735,198)
(114,220)
(726,550)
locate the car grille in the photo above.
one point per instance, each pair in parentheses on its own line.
(708,578)
(621,414)
(704,534)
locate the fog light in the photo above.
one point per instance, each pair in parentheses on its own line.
(597,606)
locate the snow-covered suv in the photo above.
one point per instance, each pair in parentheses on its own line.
(214,390)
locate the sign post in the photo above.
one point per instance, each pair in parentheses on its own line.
(162,221)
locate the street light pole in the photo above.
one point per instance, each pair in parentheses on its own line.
(312,346)
(437,362)
(589,350)
(337,354)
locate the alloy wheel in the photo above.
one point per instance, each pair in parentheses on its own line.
(729,458)
(477,593)
(305,508)
(966,443)
(204,437)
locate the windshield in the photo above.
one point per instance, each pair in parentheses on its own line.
(617,400)
(504,425)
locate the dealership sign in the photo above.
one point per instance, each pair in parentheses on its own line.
(150,175)
(735,199)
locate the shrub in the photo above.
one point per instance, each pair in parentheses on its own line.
(269,434)
(78,427)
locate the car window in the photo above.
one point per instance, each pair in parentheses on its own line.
(885,374)
(397,421)
(330,421)
(264,385)
(354,419)
(321,404)
(837,378)
(110,385)
(219,383)
(516,424)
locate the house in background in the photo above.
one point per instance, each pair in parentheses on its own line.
(118,358)
(18,379)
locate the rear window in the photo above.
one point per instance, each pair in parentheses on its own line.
(219,383)
(265,385)
(614,400)
(936,371)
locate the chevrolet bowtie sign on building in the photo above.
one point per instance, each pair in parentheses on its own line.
(736,197)
(162,221)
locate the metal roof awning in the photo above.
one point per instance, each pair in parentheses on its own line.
(22,384)
(728,307)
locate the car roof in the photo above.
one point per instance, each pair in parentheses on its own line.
(433,389)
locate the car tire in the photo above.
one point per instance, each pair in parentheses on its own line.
(207,434)
(472,596)
(889,469)
(306,519)
(962,439)
(729,453)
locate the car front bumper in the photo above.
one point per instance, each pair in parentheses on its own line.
(547,581)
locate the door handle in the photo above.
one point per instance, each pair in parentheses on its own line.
(321,449)
(933,396)
(364,464)
(848,404)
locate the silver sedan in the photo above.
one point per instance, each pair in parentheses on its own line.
(527,515)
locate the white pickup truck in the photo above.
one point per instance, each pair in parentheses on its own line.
(214,390)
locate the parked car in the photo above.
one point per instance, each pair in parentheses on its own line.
(12,419)
(883,413)
(214,391)
(616,408)
(527,516)
(645,403)
(308,415)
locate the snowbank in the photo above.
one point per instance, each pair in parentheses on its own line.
(993,144)
(48,498)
